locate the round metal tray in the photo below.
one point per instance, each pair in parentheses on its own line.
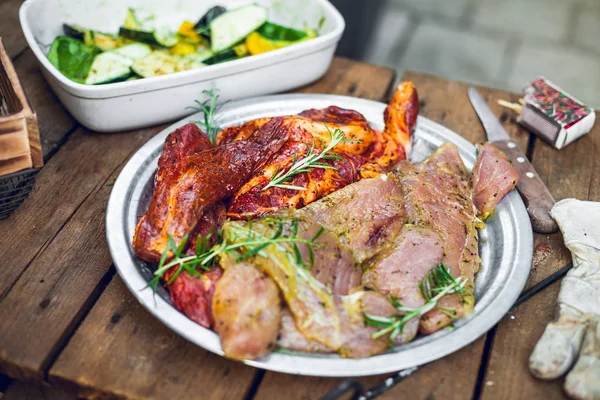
(505,246)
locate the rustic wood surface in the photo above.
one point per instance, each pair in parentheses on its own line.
(71,324)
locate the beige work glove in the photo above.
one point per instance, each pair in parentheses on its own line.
(574,337)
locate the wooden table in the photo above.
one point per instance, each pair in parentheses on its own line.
(68,320)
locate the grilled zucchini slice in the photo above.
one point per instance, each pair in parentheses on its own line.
(109,67)
(232,27)
(134,51)
(159,62)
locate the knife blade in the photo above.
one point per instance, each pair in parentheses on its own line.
(534,192)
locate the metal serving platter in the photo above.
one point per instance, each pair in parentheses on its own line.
(505,246)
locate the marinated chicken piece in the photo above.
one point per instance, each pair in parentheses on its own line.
(400,119)
(199,182)
(308,299)
(193,295)
(252,200)
(334,264)
(493,176)
(290,337)
(397,271)
(437,194)
(247,312)
(366,216)
(356,336)
(370,153)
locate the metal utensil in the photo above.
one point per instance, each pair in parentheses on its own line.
(534,192)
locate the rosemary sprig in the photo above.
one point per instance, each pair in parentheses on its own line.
(209,108)
(248,243)
(311,161)
(187,263)
(436,284)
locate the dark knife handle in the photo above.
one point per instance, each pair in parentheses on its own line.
(534,192)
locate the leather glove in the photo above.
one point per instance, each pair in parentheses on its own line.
(574,336)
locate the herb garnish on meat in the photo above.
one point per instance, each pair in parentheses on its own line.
(209,109)
(436,284)
(312,160)
(239,240)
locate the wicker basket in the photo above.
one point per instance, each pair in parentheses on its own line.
(20,149)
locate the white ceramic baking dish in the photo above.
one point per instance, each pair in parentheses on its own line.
(150,101)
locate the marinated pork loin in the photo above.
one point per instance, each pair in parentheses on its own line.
(492,177)
(247,312)
(438,195)
(397,270)
(366,216)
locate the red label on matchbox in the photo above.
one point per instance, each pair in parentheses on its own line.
(554,115)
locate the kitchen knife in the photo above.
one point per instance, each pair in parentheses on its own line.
(534,192)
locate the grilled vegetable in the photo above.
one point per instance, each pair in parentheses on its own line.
(139,20)
(134,51)
(161,37)
(103,41)
(278,32)
(219,36)
(223,56)
(202,26)
(75,31)
(159,62)
(165,37)
(191,61)
(72,57)
(139,26)
(233,26)
(109,67)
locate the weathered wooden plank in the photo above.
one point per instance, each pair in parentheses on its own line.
(571,172)
(109,370)
(53,120)
(353,78)
(56,249)
(10,28)
(442,379)
(122,350)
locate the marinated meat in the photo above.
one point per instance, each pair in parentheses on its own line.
(309,300)
(193,295)
(437,194)
(252,200)
(179,144)
(366,216)
(492,177)
(290,337)
(199,182)
(369,153)
(396,271)
(247,312)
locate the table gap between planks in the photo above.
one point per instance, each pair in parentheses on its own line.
(70,322)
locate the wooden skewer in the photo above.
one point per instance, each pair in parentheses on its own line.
(518,108)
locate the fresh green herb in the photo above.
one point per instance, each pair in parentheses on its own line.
(311,161)
(241,241)
(436,284)
(209,108)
